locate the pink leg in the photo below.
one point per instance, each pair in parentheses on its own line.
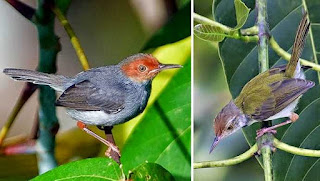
(293,117)
(109,144)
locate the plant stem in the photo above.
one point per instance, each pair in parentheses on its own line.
(25,10)
(252,31)
(27,91)
(203,20)
(227,30)
(266,155)
(295,150)
(73,38)
(264,142)
(232,161)
(285,55)
(48,122)
(263,58)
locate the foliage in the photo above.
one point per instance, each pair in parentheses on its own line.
(88,169)
(216,33)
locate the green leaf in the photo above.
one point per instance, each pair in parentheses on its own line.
(88,169)
(240,62)
(209,32)
(242,13)
(150,171)
(177,28)
(215,33)
(163,136)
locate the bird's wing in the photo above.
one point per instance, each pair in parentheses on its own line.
(282,94)
(85,96)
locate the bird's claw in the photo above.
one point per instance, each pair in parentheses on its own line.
(262,131)
(112,147)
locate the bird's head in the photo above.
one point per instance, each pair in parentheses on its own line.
(229,120)
(143,67)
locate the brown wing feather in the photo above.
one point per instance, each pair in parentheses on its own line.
(284,92)
(85,96)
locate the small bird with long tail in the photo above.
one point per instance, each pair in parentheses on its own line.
(103,96)
(270,95)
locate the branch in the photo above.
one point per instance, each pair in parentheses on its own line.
(263,58)
(264,142)
(253,38)
(227,30)
(285,55)
(203,20)
(295,150)
(25,10)
(238,159)
(27,91)
(49,47)
(74,40)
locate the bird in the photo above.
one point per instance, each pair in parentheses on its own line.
(102,96)
(270,95)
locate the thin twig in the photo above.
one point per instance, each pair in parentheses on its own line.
(285,55)
(232,161)
(73,38)
(201,19)
(294,150)
(25,10)
(273,44)
(27,91)
(227,30)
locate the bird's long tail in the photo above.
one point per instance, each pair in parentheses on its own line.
(57,82)
(298,46)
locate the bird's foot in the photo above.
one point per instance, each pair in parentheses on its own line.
(263,131)
(110,145)
(111,148)
(292,118)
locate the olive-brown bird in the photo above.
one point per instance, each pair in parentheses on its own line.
(270,95)
(103,96)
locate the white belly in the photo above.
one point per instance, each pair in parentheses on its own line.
(286,112)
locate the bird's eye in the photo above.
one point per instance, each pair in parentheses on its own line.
(142,68)
(230,127)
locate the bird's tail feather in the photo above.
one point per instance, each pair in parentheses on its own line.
(298,46)
(57,82)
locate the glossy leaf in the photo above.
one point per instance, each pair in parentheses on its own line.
(163,136)
(150,171)
(209,32)
(88,169)
(242,13)
(240,62)
(215,33)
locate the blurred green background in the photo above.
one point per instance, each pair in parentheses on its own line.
(210,95)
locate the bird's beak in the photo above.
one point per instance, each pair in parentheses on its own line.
(214,144)
(165,66)
(169,66)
